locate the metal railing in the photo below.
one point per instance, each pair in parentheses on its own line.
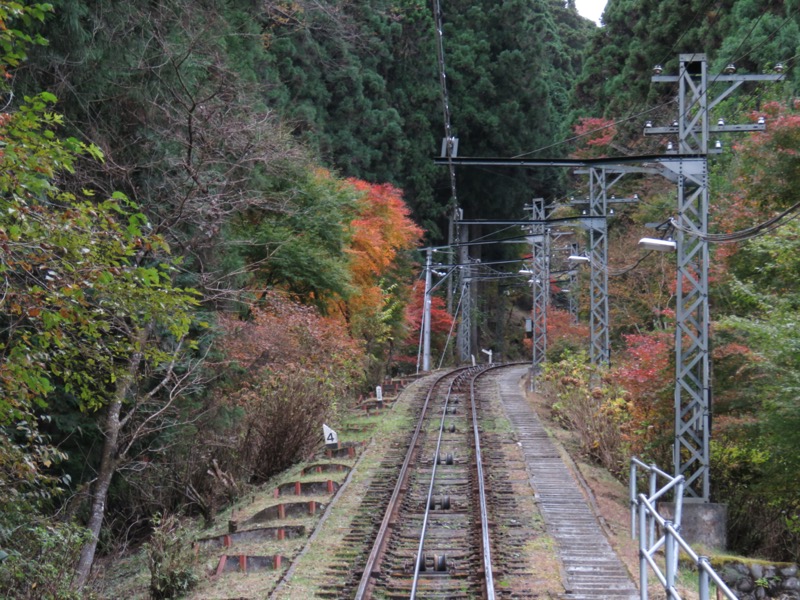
(645,520)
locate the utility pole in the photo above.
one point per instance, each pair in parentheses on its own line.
(692,349)
(426,313)
(464,339)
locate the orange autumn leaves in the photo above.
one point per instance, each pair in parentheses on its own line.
(380,230)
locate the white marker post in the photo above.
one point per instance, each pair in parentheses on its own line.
(331,437)
(379,396)
(489,353)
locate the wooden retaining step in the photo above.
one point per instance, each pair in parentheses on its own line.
(226,540)
(286,509)
(242,563)
(326,468)
(307,488)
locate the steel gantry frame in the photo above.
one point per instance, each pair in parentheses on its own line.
(540,279)
(693,394)
(688,168)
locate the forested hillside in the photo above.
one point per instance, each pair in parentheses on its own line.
(209,220)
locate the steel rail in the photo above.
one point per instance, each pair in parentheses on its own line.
(485,542)
(436,457)
(380,538)
(486,550)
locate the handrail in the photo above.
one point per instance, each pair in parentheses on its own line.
(671,541)
(701,562)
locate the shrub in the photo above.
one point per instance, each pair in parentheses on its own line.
(41,558)
(283,423)
(584,402)
(170,559)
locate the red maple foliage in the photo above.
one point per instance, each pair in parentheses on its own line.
(594,136)
(441,320)
(563,332)
(285,336)
(647,373)
(380,230)
(441,325)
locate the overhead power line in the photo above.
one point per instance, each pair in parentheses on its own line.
(448,132)
(745,234)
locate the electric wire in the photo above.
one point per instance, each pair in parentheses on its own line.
(769,38)
(745,234)
(618,272)
(448,131)
(590,132)
(452,327)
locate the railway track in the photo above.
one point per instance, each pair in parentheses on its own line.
(448,515)
(430,541)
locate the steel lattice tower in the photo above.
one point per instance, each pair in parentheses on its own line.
(598,261)
(692,347)
(540,280)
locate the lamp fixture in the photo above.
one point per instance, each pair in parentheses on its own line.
(648,123)
(670,147)
(578,258)
(658,245)
(761,120)
(720,121)
(730,69)
(718,145)
(658,69)
(778,68)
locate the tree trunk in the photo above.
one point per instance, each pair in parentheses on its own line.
(109,461)
(108,466)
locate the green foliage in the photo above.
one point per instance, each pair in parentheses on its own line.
(302,249)
(41,556)
(75,272)
(638,34)
(16,19)
(170,559)
(758,295)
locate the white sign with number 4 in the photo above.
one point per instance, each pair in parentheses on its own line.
(331,437)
